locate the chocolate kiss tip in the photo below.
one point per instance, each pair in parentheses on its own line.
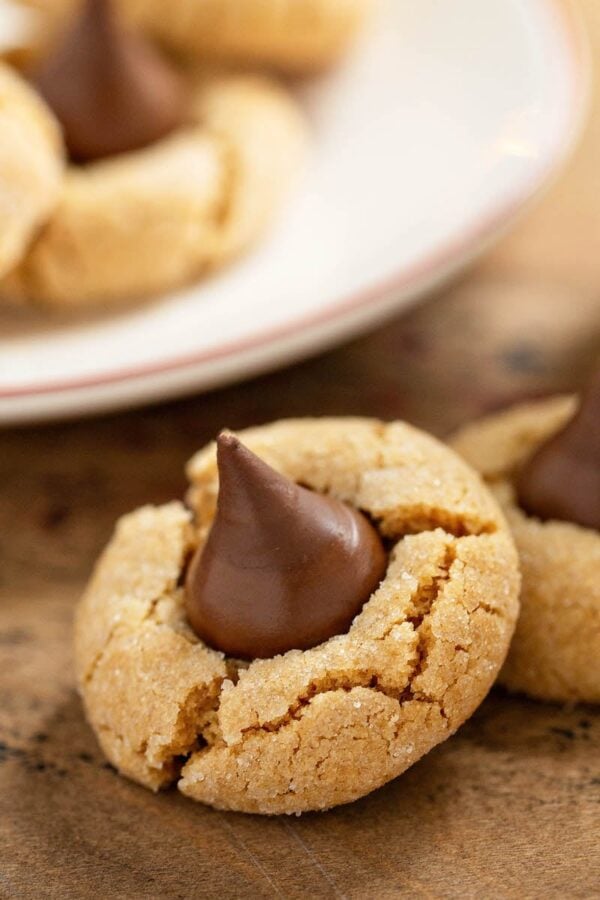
(226,440)
(283,567)
(562,479)
(110,90)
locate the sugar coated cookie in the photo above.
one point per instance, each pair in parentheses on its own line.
(172,171)
(555,654)
(342,711)
(155,219)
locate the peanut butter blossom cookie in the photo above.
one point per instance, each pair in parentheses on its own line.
(173,171)
(336,599)
(542,461)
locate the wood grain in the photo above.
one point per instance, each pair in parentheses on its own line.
(509,808)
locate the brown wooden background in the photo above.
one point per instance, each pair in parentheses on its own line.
(509,808)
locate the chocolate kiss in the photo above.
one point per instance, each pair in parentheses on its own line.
(283,567)
(562,479)
(109,89)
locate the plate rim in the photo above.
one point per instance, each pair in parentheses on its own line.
(447,257)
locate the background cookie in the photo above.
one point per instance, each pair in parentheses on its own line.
(155,219)
(292,35)
(555,653)
(314,728)
(31,166)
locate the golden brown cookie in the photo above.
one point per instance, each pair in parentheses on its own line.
(292,35)
(156,219)
(314,728)
(555,653)
(31,166)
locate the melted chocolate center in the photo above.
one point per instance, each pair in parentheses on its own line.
(110,90)
(562,479)
(283,567)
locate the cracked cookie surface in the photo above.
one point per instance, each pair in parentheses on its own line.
(307,729)
(148,221)
(555,653)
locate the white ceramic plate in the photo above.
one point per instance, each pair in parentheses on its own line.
(445,120)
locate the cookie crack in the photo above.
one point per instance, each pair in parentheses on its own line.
(165,758)
(101,653)
(298,708)
(99,656)
(423,601)
(420,520)
(489,609)
(417,519)
(191,729)
(196,728)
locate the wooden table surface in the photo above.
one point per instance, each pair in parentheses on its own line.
(509,807)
